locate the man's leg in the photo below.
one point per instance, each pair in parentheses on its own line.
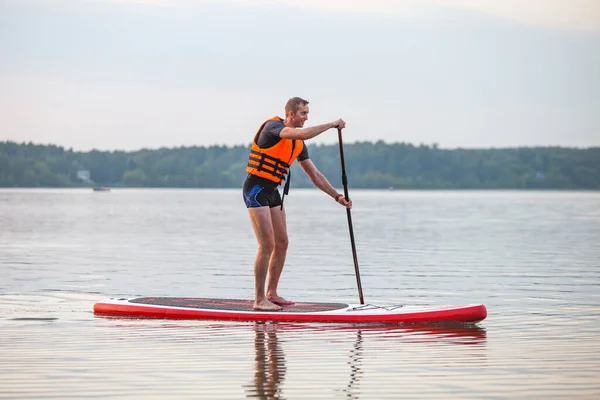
(263,229)
(278,256)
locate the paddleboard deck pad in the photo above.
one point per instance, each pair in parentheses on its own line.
(242,310)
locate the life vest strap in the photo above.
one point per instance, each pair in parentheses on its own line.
(288,180)
(264,162)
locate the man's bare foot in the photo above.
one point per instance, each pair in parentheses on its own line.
(280,300)
(266,305)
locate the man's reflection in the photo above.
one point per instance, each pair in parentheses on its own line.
(270,368)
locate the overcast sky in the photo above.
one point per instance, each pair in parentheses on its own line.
(132,74)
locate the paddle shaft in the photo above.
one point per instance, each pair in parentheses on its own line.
(345,183)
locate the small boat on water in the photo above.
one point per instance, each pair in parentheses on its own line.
(101,189)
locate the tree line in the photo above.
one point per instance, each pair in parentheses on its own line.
(369,165)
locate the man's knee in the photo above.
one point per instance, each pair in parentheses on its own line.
(266,247)
(281,243)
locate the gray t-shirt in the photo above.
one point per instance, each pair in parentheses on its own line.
(269,137)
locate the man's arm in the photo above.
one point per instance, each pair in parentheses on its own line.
(310,132)
(319,180)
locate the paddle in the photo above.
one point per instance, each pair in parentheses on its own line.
(345,183)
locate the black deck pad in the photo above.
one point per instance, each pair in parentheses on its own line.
(232,304)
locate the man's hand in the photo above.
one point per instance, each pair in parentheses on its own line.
(340,124)
(346,203)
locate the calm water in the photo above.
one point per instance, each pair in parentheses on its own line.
(533,258)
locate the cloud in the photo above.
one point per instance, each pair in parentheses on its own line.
(558,14)
(143,2)
(561,14)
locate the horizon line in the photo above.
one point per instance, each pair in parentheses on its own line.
(387,143)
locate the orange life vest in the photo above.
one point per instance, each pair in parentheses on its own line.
(274,162)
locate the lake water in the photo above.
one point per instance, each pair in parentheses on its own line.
(533,258)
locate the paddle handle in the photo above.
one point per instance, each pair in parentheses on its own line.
(345,183)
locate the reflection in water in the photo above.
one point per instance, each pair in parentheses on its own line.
(355,370)
(269,364)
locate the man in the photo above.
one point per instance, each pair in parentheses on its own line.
(276,145)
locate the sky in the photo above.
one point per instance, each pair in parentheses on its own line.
(133,74)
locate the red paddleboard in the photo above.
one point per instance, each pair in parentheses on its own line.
(241,310)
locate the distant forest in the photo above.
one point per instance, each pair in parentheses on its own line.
(369,165)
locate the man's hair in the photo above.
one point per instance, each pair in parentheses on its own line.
(293,104)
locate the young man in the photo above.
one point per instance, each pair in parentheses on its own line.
(276,145)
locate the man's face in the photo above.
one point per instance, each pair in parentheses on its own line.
(301,116)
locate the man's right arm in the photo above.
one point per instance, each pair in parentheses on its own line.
(310,132)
